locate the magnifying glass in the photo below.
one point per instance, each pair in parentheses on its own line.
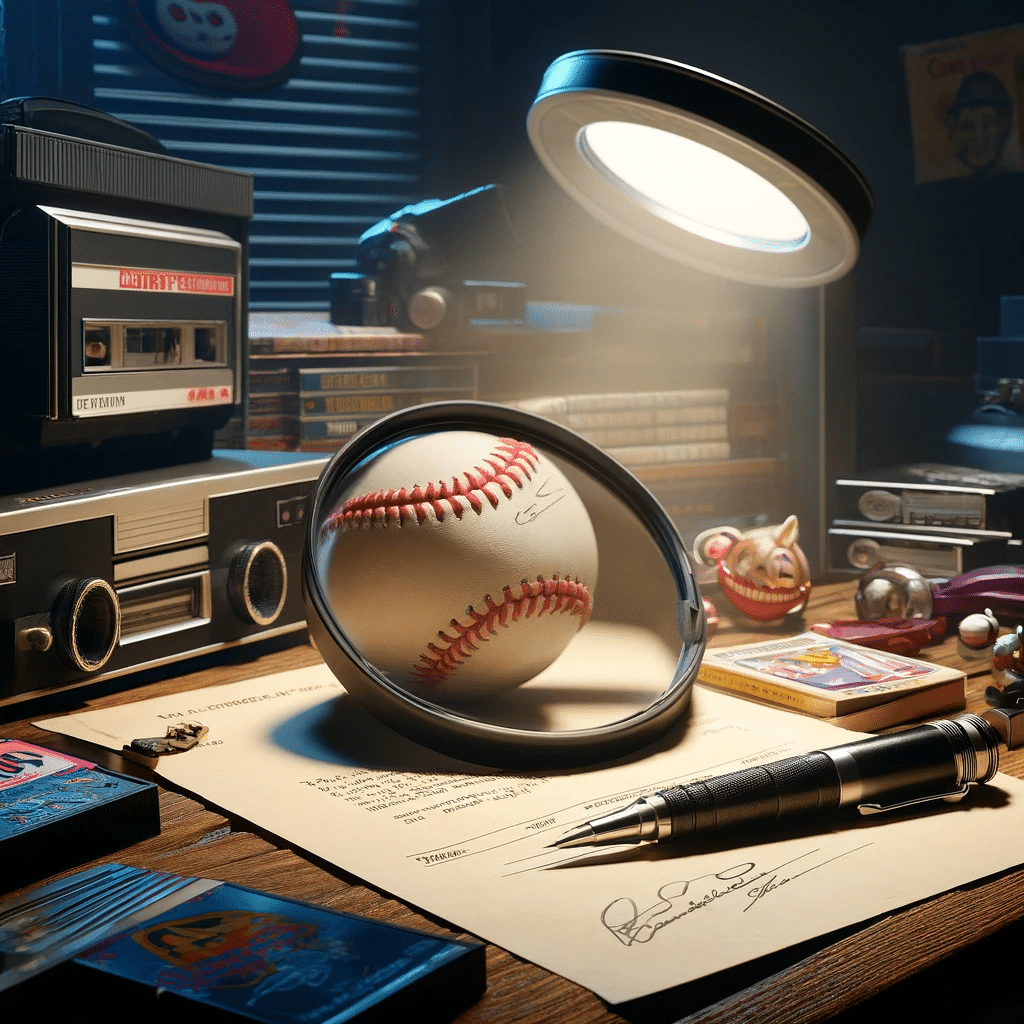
(616,686)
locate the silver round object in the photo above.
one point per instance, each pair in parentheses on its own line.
(428,307)
(86,623)
(258,582)
(482,732)
(893,592)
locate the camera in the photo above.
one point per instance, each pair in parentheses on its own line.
(419,269)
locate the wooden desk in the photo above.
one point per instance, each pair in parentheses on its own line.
(815,982)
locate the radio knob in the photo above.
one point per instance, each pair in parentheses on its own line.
(258,582)
(86,623)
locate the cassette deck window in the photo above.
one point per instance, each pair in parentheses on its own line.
(128,345)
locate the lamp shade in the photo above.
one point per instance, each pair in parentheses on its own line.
(699,169)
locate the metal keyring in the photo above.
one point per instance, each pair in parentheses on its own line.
(441,728)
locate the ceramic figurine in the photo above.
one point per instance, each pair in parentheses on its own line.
(1007,689)
(762,572)
(976,635)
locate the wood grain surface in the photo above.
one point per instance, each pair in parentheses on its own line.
(811,983)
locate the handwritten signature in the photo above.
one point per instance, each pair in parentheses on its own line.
(676,900)
(530,513)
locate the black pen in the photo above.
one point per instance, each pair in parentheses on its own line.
(937,761)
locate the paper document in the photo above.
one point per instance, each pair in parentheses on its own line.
(295,755)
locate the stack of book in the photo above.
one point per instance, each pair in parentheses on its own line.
(645,428)
(313,384)
(273,409)
(706,458)
(318,408)
(335,403)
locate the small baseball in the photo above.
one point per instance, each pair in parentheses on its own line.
(979,630)
(460,563)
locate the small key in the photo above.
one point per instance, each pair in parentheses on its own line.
(183,736)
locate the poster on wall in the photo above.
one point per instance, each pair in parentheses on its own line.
(967,104)
(229,45)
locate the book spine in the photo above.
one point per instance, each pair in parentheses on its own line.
(263,382)
(327,446)
(271,423)
(283,404)
(604,401)
(614,419)
(271,444)
(371,403)
(418,378)
(339,343)
(716,469)
(317,430)
(760,689)
(935,700)
(657,435)
(662,454)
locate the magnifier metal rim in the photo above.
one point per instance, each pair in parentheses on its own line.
(442,728)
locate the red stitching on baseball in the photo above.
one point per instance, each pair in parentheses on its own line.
(506,466)
(551,596)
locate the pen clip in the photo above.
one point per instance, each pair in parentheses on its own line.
(952,797)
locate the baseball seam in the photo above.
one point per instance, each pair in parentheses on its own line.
(504,468)
(552,595)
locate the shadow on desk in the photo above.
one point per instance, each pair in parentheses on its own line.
(975,986)
(972,986)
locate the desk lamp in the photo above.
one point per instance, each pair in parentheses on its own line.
(703,172)
(699,169)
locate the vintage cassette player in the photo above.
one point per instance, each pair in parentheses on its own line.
(854,547)
(934,494)
(106,578)
(123,285)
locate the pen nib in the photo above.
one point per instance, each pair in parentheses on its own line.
(582,835)
(625,825)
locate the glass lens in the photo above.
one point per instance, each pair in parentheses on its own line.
(486,576)
(697,188)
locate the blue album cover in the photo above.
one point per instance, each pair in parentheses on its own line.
(39,786)
(271,959)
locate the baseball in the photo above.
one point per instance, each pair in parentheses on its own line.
(460,563)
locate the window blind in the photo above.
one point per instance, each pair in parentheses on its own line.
(332,151)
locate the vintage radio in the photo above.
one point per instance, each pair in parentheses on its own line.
(106,578)
(123,285)
(934,494)
(941,552)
